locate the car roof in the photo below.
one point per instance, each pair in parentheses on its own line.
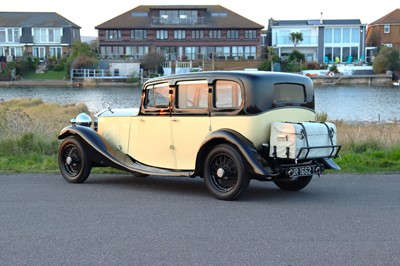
(238,74)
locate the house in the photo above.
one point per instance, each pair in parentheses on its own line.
(183,33)
(324,41)
(383,32)
(39,34)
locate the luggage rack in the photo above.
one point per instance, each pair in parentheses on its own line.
(308,148)
(333,154)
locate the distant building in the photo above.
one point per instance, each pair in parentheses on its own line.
(39,34)
(384,32)
(324,41)
(186,32)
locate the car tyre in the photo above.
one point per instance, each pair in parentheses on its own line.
(74,164)
(224,173)
(293,184)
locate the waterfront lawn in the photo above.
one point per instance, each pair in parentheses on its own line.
(48,75)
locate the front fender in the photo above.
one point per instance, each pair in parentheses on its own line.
(244,146)
(99,150)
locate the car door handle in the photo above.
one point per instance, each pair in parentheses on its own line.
(174,120)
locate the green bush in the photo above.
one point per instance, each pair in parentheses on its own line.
(265,66)
(387,59)
(296,56)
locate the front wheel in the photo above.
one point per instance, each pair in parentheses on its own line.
(293,184)
(73,161)
(224,173)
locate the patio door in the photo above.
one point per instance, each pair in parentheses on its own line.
(39,52)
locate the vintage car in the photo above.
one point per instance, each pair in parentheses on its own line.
(227,127)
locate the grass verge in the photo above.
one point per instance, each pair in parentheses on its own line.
(29,129)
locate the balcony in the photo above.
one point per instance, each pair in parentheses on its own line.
(164,20)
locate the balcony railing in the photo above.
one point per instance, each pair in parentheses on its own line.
(307,40)
(177,21)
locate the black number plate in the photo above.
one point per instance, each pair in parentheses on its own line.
(302,170)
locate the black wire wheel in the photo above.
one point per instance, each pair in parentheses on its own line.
(73,161)
(295,184)
(224,173)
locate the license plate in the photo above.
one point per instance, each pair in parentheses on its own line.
(302,170)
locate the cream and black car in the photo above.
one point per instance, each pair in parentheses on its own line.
(227,127)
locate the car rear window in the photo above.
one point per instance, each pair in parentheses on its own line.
(289,93)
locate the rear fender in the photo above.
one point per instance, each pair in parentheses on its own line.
(330,164)
(243,145)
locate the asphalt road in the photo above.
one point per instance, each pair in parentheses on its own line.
(121,220)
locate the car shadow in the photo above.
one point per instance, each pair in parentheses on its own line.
(195,187)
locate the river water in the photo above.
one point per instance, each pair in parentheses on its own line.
(347,103)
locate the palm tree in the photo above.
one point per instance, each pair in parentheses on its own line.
(296,37)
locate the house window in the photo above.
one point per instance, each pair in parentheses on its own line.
(386,28)
(355,35)
(16,51)
(139,34)
(10,35)
(179,34)
(238,51)
(137,52)
(250,34)
(215,34)
(39,52)
(113,34)
(55,52)
(162,35)
(328,35)
(47,35)
(250,52)
(112,51)
(232,34)
(197,34)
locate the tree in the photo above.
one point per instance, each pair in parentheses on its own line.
(386,59)
(152,61)
(296,37)
(82,56)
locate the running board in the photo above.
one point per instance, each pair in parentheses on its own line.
(145,169)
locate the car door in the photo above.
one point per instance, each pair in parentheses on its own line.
(190,121)
(150,137)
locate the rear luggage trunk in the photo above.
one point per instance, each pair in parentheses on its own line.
(307,140)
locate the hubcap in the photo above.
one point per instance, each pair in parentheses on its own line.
(220,172)
(68,160)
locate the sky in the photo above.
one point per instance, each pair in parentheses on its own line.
(89,13)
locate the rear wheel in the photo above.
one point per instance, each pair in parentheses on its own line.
(224,173)
(73,161)
(293,184)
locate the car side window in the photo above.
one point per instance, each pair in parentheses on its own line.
(227,94)
(157,96)
(192,95)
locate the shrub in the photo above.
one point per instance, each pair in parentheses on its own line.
(387,59)
(312,65)
(296,56)
(265,66)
